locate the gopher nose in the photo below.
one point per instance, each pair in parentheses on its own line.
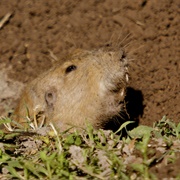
(122,55)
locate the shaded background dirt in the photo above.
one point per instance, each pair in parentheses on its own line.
(37,30)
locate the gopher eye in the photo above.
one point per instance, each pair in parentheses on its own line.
(70,68)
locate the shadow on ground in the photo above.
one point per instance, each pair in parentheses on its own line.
(132,112)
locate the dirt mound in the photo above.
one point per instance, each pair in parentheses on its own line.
(37,31)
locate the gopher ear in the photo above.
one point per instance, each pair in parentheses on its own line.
(50,97)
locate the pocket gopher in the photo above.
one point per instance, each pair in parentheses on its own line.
(87,88)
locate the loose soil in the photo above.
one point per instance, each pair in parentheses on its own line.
(39,31)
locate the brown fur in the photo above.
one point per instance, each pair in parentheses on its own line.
(91,93)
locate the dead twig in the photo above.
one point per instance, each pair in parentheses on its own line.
(5,19)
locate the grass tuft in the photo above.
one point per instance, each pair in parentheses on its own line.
(89,154)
